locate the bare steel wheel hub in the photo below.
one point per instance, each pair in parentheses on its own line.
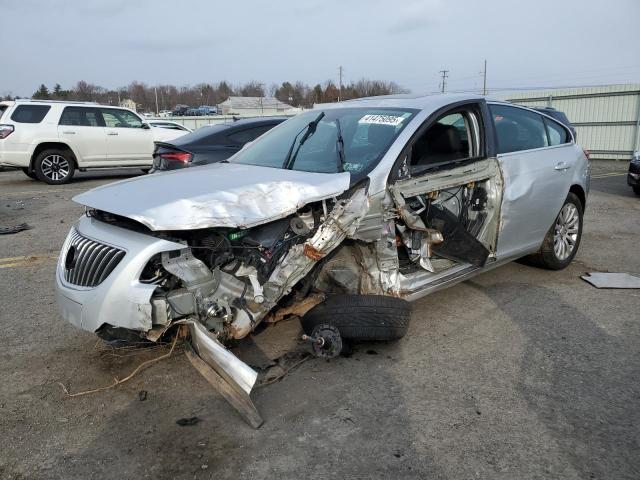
(566,231)
(55,167)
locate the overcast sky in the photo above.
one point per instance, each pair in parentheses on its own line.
(529,43)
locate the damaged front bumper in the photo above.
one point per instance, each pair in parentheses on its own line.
(91,294)
(86,298)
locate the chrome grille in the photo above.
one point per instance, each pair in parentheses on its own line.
(87,262)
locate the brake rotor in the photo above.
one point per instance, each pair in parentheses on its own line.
(328,342)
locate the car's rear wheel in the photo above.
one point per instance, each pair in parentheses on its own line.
(636,189)
(54,167)
(561,243)
(29,174)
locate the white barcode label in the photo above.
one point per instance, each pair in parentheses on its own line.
(392,120)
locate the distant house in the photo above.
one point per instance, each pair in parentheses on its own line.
(254,106)
(128,103)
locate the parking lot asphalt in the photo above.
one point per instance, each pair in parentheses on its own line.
(519,373)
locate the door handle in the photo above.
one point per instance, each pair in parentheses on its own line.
(562,166)
(112,133)
(69,132)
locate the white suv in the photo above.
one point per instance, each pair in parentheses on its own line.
(49,140)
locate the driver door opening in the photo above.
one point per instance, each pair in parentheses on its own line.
(447,194)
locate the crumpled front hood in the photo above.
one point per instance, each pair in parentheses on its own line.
(218,195)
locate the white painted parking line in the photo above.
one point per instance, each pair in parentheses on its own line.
(605,175)
(44,192)
(27,261)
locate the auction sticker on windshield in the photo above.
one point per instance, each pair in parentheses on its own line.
(392,120)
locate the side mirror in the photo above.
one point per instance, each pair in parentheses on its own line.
(146,126)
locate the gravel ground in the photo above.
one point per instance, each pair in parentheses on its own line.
(518,373)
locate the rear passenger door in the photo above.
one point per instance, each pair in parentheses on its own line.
(536,167)
(128,142)
(83,130)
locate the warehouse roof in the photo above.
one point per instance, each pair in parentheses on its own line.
(255,103)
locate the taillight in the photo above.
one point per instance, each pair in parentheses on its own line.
(587,153)
(182,157)
(5,131)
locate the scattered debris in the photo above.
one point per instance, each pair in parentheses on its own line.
(187,422)
(14,229)
(117,381)
(142,395)
(612,280)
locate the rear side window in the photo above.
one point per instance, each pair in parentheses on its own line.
(518,129)
(30,113)
(2,109)
(85,117)
(207,135)
(250,134)
(557,133)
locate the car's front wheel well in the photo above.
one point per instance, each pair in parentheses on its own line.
(578,191)
(49,146)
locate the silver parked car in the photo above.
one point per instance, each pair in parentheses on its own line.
(341,216)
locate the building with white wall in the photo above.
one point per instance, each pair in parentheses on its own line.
(606,118)
(254,106)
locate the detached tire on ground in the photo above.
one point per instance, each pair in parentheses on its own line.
(54,166)
(361,317)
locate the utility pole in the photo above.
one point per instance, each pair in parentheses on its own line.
(484,80)
(155,89)
(340,84)
(444,78)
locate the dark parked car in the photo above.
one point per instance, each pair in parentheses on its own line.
(559,116)
(633,177)
(210,144)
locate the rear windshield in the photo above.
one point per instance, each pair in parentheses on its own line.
(30,113)
(202,136)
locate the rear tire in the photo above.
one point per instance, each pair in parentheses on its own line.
(54,167)
(636,189)
(561,243)
(29,174)
(361,317)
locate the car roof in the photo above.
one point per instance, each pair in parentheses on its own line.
(252,122)
(416,101)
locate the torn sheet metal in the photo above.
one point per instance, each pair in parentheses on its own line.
(218,195)
(612,280)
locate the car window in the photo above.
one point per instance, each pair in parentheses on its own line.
(249,134)
(30,113)
(120,118)
(449,139)
(557,133)
(367,133)
(2,109)
(518,129)
(86,117)
(207,135)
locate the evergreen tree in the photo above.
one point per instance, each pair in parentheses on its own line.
(42,92)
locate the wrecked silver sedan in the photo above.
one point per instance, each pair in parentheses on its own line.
(340,216)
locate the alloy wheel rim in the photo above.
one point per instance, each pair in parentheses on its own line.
(566,232)
(55,167)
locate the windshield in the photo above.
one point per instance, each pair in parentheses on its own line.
(366,134)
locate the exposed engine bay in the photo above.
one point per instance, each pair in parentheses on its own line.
(231,279)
